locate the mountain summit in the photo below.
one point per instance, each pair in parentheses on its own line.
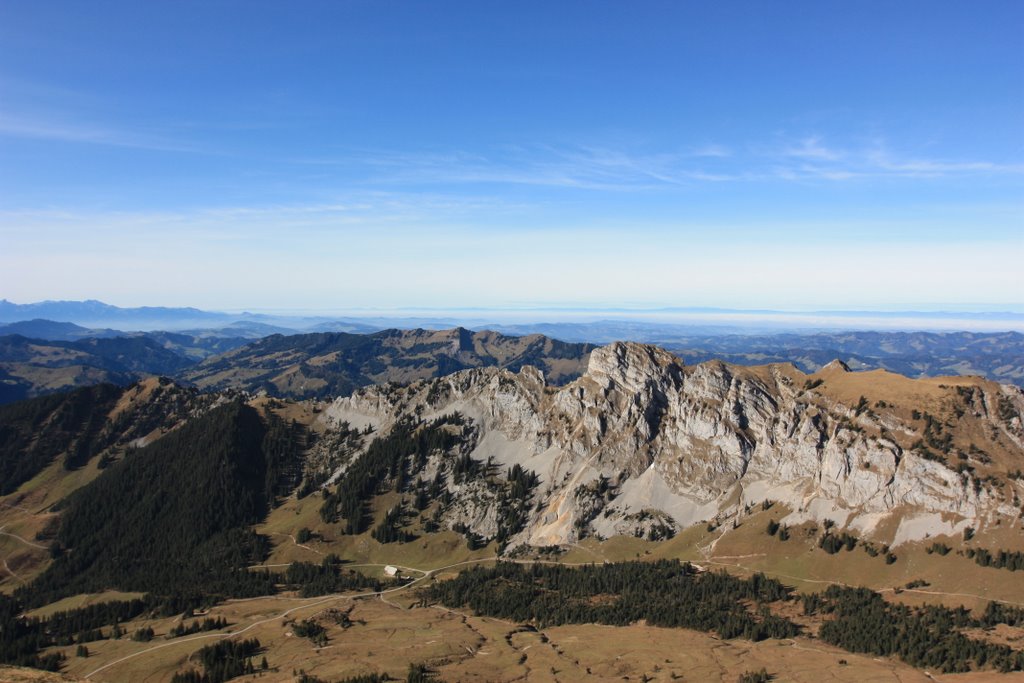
(642,441)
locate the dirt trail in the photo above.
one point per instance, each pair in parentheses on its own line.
(312,602)
(23,540)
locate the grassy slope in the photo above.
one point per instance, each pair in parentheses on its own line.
(463,647)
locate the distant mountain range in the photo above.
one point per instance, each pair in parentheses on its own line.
(98,314)
(569,324)
(51,330)
(320,357)
(313,365)
(334,364)
(997,356)
(30,367)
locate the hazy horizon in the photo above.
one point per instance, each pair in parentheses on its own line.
(700,319)
(458,155)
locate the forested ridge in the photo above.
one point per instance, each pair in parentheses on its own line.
(34,367)
(33,433)
(173,519)
(173,516)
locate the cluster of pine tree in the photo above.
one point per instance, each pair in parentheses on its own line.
(312,630)
(197,626)
(283,445)
(304,677)
(143,635)
(833,543)
(1003,559)
(223,661)
(418,673)
(390,528)
(344,441)
(396,462)
(928,636)
(514,502)
(327,577)
(388,462)
(22,639)
(999,613)
(665,593)
(775,528)
(759,676)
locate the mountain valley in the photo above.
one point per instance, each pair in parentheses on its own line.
(909,487)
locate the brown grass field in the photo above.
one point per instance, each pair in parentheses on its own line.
(392,632)
(388,635)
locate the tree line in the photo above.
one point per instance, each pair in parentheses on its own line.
(22,638)
(929,636)
(664,593)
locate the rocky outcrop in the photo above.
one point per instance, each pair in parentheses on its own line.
(641,442)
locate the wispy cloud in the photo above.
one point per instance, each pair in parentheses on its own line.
(350,213)
(577,167)
(930,168)
(812,148)
(812,159)
(712,151)
(807,158)
(35,110)
(76,132)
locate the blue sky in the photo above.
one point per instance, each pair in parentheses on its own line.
(339,155)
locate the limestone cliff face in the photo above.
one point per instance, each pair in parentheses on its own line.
(641,437)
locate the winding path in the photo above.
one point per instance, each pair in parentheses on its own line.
(23,540)
(314,602)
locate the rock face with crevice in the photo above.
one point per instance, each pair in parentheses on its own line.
(640,442)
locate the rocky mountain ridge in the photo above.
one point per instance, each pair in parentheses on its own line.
(643,444)
(296,366)
(336,363)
